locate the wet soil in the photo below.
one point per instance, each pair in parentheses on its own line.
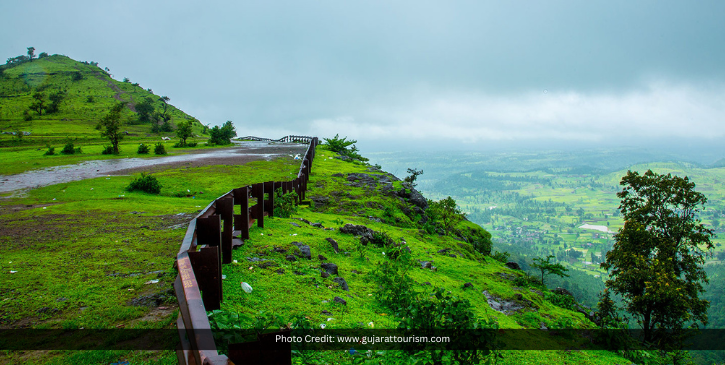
(242,153)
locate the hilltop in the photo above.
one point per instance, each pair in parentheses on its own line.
(86,93)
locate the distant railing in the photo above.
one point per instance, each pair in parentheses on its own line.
(305,139)
(208,245)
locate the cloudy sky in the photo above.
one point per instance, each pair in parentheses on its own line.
(467,74)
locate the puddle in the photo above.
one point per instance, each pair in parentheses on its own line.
(247,151)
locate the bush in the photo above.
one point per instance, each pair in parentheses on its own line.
(381,239)
(284,204)
(143,149)
(145,183)
(500,256)
(159,149)
(68,149)
(90,99)
(50,151)
(344,148)
(107,150)
(191,144)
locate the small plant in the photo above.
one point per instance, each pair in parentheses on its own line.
(69,149)
(159,149)
(50,151)
(145,183)
(143,149)
(89,99)
(414,173)
(500,256)
(107,150)
(284,204)
(381,239)
(561,300)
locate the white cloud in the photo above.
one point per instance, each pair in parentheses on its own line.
(659,110)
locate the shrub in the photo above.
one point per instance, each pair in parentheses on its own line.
(159,149)
(143,149)
(145,183)
(500,256)
(107,150)
(50,151)
(90,99)
(68,149)
(561,300)
(344,147)
(381,239)
(191,144)
(284,204)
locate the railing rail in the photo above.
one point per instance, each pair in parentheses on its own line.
(208,245)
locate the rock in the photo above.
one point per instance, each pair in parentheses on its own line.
(291,258)
(324,275)
(255,259)
(342,282)
(329,268)
(267,264)
(425,283)
(501,305)
(365,233)
(319,201)
(433,268)
(542,326)
(299,273)
(305,251)
(334,245)
(317,225)
(425,265)
(325,312)
(444,251)
(467,285)
(340,300)
(354,271)
(279,249)
(322,258)
(150,300)
(452,255)
(280,271)
(506,276)
(295,224)
(304,220)
(339,174)
(562,291)
(513,265)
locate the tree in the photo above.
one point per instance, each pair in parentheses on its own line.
(183,131)
(545,266)
(656,261)
(39,104)
(447,212)
(110,126)
(344,147)
(414,173)
(31,53)
(55,99)
(145,110)
(223,135)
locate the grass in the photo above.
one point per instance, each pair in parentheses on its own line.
(84,251)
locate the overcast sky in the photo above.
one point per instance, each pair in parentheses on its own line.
(468,73)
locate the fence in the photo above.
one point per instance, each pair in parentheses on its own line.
(208,245)
(283,139)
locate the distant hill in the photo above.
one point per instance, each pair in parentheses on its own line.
(83,94)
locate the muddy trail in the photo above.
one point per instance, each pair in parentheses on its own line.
(244,152)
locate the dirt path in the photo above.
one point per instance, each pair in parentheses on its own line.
(245,152)
(130,104)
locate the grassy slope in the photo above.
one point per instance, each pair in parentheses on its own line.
(76,119)
(301,290)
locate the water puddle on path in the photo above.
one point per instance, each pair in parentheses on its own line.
(248,151)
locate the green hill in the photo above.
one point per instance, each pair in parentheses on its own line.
(87,92)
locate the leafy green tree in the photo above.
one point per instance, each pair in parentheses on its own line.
(42,55)
(344,147)
(183,131)
(56,99)
(145,110)
(656,261)
(545,266)
(31,53)
(39,104)
(223,135)
(110,126)
(446,212)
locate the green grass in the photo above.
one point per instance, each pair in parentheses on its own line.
(82,251)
